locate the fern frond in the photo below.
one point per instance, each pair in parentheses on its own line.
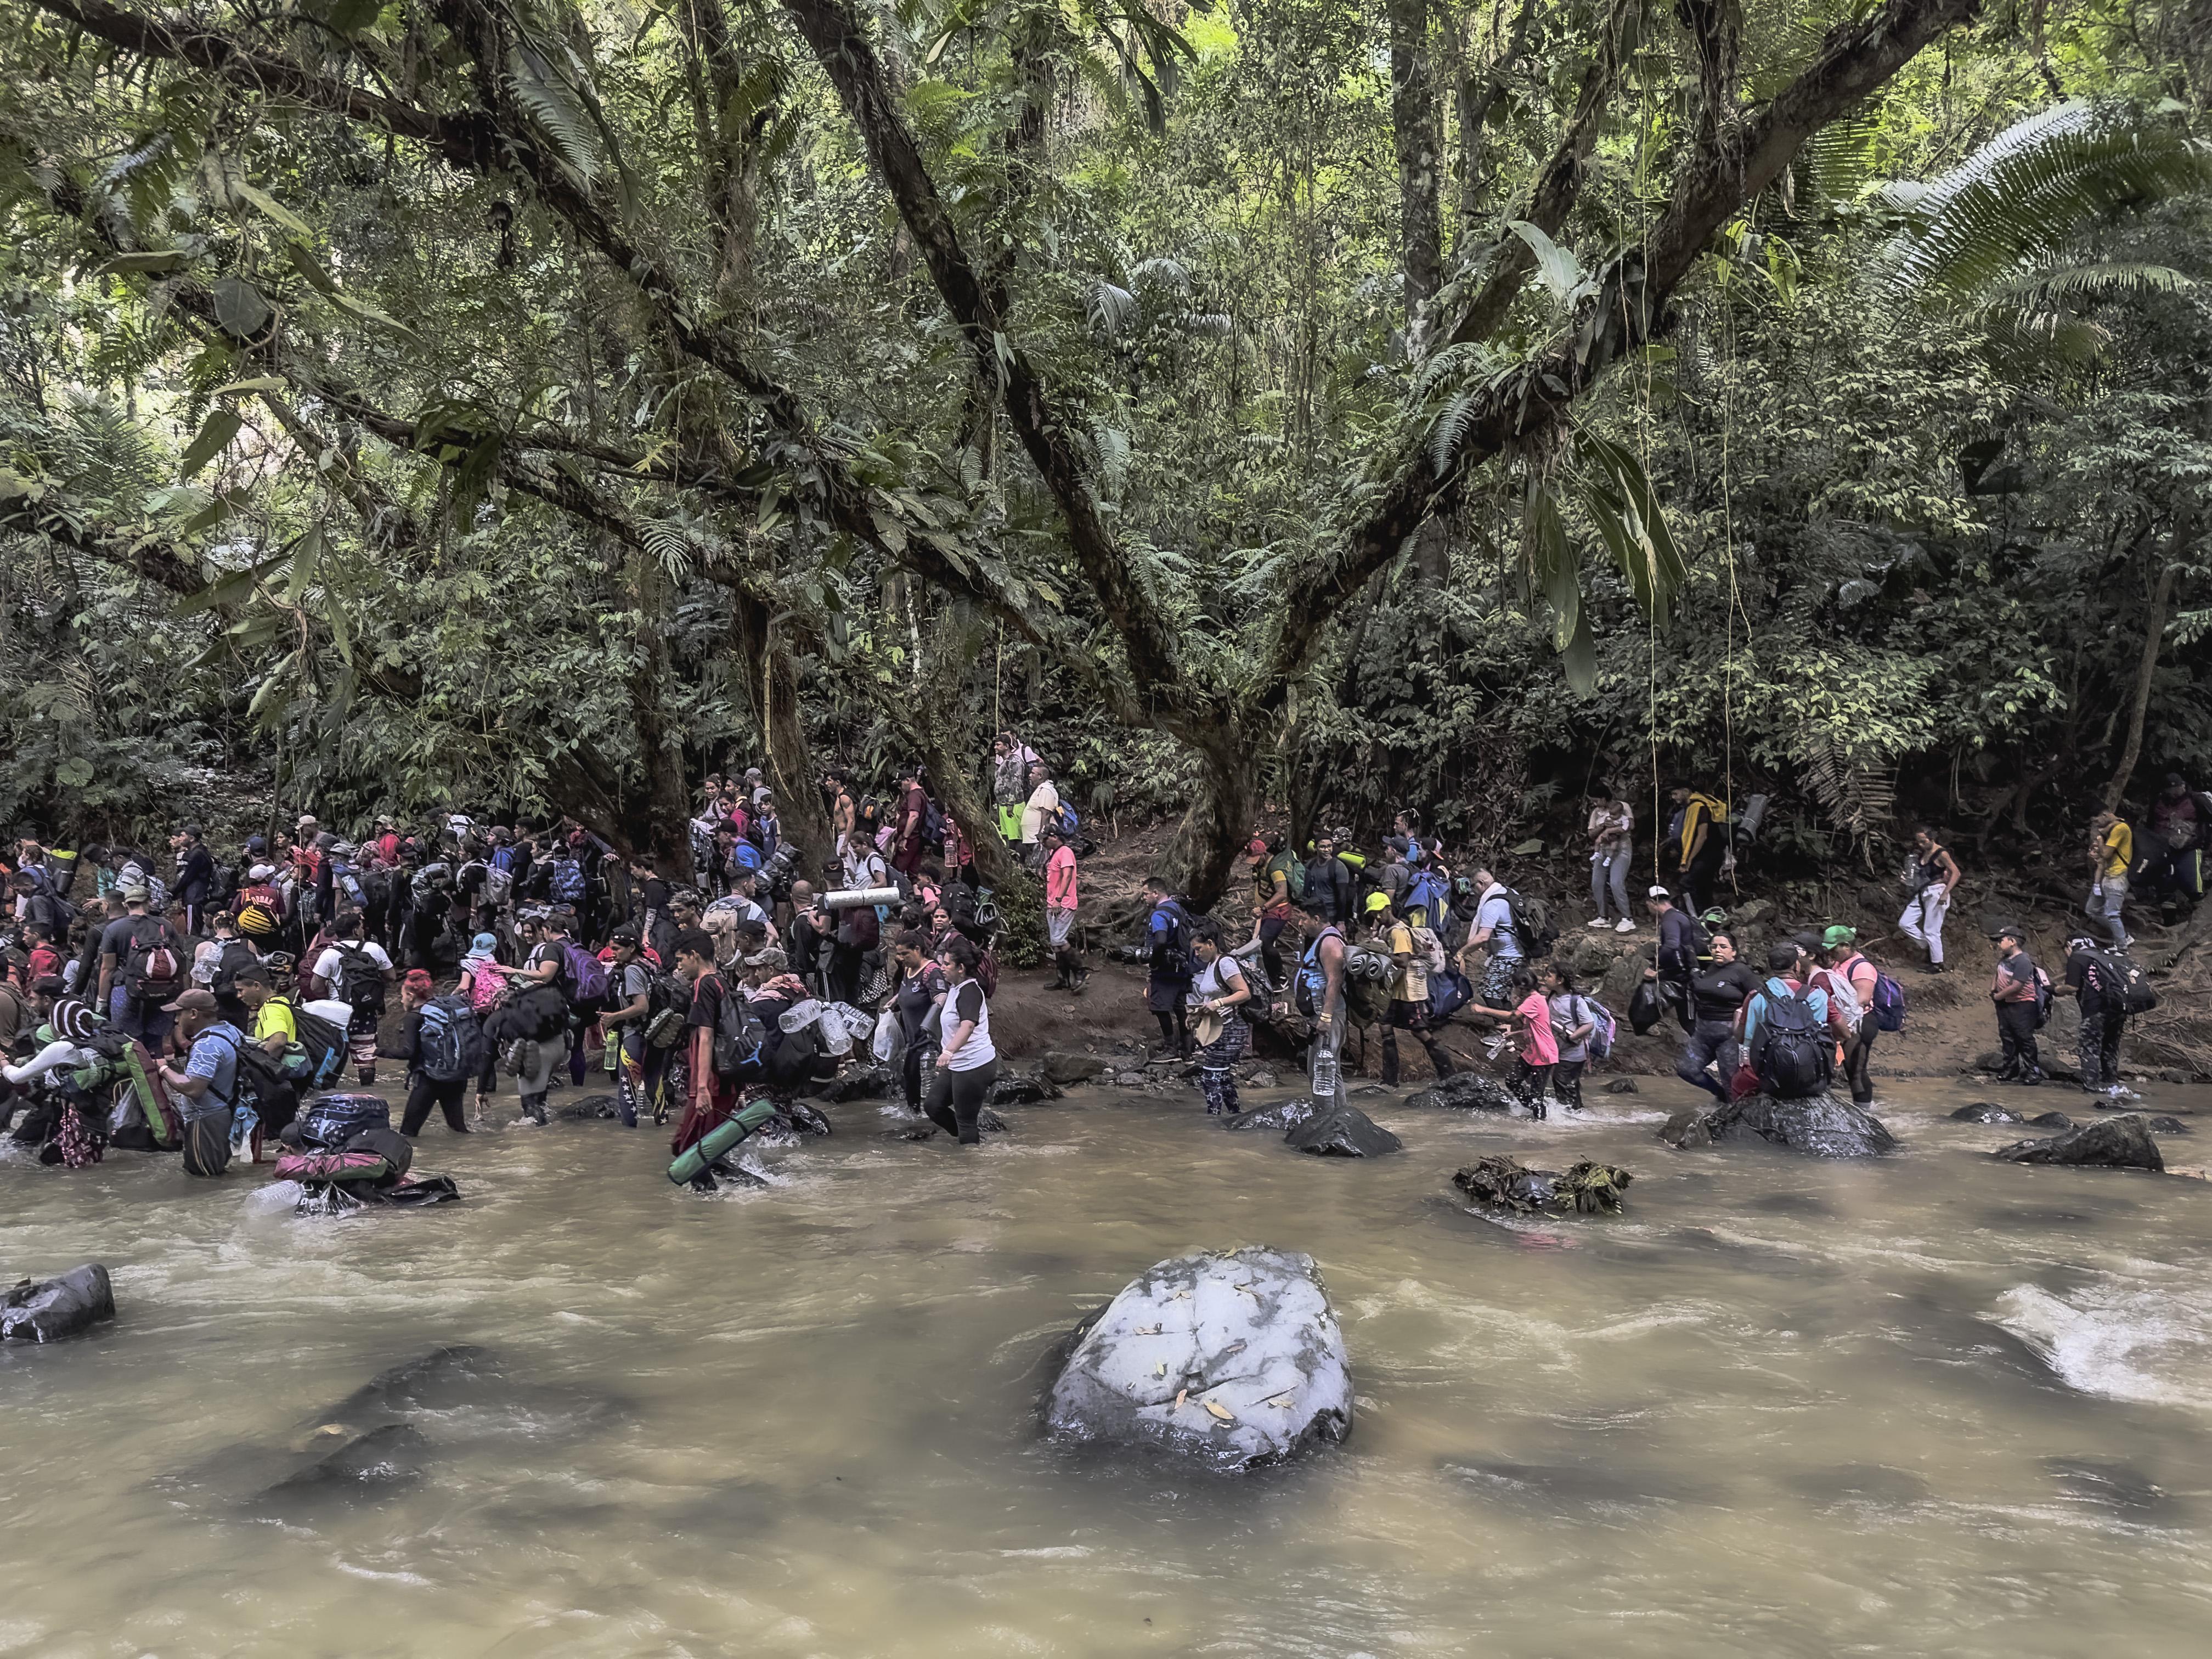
(555,109)
(1451,431)
(2032,187)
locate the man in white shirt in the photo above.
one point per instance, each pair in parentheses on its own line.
(1043,806)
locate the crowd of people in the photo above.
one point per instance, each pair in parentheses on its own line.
(189,1000)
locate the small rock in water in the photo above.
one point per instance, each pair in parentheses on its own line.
(2170,1125)
(1586,1188)
(1231,1359)
(1263,1080)
(867,1083)
(1468,1092)
(1343,1132)
(990,1123)
(1686,1129)
(54,1307)
(1288,1116)
(1984,1111)
(591,1107)
(2051,1121)
(1621,1086)
(1821,1126)
(1018,1090)
(2111,1143)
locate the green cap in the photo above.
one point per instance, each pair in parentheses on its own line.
(1838,935)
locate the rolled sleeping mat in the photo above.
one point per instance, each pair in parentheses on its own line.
(720,1141)
(851,898)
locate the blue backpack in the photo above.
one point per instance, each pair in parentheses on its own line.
(567,880)
(1069,823)
(1888,1003)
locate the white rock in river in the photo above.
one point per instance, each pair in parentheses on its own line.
(1232,1358)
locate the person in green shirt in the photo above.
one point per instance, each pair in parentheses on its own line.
(273,1025)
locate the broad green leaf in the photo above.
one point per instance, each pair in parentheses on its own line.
(1561,272)
(221,427)
(369,313)
(304,561)
(272,208)
(258,383)
(240,307)
(157,263)
(312,269)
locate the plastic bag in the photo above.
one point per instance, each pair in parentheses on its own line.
(885,1044)
(1646,1007)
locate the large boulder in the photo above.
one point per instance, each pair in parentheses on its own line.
(1287,1115)
(1343,1132)
(54,1307)
(2110,1143)
(1065,1065)
(1020,1090)
(1472,1091)
(1586,1188)
(1819,1126)
(1232,1359)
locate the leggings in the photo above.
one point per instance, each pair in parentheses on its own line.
(917,1070)
(1567,1083)
(955,1098)
(1709,1040)
(1858,1055)
(1271,952)
(446,1097)
(1531,1083)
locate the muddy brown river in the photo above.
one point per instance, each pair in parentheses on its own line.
(1933,1404)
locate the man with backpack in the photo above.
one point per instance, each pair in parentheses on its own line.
(1496,932)
(141,967)
(195,875)
(2019,992)
(1414,955)
(2172,864)
(356,970)
(1166,988)
(1042,808)
(635,995)
(534,1026)
(444,1050)
(1789,1030)
(206,1087)
(2099,981)
(1279,881)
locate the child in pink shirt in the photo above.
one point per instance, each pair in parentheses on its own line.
(1531,1019)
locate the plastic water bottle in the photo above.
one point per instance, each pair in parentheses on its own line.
(1325,1074)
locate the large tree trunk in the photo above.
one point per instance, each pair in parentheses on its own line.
(1413,125)
(772,688)
(659,823)
(2153,637)
(1202,858)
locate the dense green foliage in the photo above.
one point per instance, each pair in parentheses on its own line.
(535,405)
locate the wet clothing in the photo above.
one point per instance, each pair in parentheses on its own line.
(2103,1003)
(2016,998)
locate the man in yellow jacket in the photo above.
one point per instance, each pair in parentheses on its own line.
(1697,839)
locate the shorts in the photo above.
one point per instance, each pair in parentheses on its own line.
(1058,925)
(1167,996)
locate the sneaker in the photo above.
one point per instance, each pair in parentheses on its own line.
(1624,926)
(1599,922)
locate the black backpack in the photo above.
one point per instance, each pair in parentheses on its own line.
(363,977)
(1792,1054)
(1172,960)
(1531,925)
(452,1043)
(2122,979)
(739,1037)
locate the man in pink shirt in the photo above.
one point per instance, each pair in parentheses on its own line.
(1060,910)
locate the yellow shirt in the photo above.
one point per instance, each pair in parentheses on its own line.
(274,1018)
(1413,980)
(2120,851)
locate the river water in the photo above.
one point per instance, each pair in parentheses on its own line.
(1931,1405)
